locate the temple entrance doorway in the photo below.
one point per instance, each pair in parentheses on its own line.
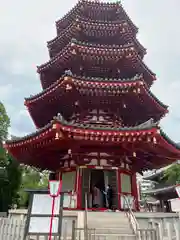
(98,180)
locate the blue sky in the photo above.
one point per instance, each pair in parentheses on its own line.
(26,26)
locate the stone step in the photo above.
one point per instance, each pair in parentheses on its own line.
(98,224)
(94,218)
(110,225)
(114,231)
(108,214)
(103,224)
(114,237)
(110,221)
(109,217)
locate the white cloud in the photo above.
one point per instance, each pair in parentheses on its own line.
(26,26)
(5,91)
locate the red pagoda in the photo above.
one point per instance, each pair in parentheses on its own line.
(96,118)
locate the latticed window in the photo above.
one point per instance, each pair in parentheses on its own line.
(68,181)
(125,183)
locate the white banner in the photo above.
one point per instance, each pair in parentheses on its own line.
(175,205)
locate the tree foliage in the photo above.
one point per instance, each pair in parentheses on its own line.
(9,185)
(10,174)
(4,123)
(31,180)
(172,174)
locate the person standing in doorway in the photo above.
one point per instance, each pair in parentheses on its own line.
(109,195)
(96,197)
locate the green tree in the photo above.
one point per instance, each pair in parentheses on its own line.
(4,123)
(9,185)
(31,179)
(10,174)
(14,174)
(172,174)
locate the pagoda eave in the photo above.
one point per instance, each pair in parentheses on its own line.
(88,82)
(59,137)
(75,86)
(83,52)
(66,84)
(166,191)
(93,6)
(119,30)
(86,24)
(139,139)
(56,127)
(96,50)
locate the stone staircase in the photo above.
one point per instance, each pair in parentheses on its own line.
(110,225)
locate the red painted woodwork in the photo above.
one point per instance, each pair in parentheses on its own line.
(135,190)
(96,71)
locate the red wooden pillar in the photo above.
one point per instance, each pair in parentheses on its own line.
(78,186)
(135,191)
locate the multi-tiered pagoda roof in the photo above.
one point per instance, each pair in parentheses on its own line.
(96,95)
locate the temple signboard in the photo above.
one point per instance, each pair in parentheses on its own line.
(40,210)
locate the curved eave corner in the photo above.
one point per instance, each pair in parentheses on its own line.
(77,46)
(60,129)
(163,106)
(72,80)
(59,123)
(80,3)
(71,11)
(174,147)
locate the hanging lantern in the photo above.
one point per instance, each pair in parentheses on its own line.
(73,52)
(70,152)
(68,87)
(154,140)
(57,136)
(76,103)
(134,154)
(78,27)
(66,78)
(72,44)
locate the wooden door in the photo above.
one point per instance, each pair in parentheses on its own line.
(111,179)
(86,174)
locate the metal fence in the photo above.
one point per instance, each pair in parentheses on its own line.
(94,234)
(148,234)
(11,229)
